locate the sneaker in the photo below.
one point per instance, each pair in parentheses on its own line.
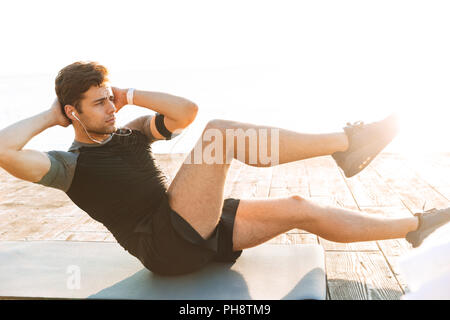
(429,221)
(365,142)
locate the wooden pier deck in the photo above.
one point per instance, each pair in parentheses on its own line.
(392,185)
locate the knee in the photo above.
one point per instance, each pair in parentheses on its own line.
(216,129)
(219,124)
(213,142)
(303,208)
(298,201)
(296,197)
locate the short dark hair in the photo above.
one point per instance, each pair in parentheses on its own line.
(75,79)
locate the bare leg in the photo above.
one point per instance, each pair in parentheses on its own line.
(290,145)
(196,192)
(259,220)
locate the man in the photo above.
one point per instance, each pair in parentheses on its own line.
(110,173)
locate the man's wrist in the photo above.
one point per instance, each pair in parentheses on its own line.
(51,118)
(130,95)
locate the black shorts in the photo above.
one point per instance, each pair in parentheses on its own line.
(169,245)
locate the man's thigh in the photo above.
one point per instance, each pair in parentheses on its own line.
(196,194)
(259,220)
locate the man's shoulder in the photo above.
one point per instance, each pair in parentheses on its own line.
(66,157)
(62,169)
(142,124)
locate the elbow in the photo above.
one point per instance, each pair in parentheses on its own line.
(187,116)
(191,114)
(194,111)
(6,157)
(3,154)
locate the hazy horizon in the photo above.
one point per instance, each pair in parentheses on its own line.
(305,66)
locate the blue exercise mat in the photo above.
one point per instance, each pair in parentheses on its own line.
(102,270)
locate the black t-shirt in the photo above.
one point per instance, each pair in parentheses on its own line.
(63,163)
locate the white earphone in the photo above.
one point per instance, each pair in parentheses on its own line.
(73,113)
(100,142)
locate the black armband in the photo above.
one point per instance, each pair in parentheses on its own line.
(159,122)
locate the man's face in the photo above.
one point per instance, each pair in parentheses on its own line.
(98,110)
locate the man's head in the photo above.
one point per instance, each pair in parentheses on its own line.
(84,94)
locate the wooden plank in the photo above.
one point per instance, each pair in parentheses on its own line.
(252,182)
(361,246)
(434,169)
(51,228)
(360,276)
(294,238)
(232,180)
(84,236)
(376,192)
(412,189)
(289,178)
(394,250)
(325,180)
(445,191)
(40,227)
(169,164)
(21,228)
(369,190)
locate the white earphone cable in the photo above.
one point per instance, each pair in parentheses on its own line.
(99,142)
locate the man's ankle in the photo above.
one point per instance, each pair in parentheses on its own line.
(343,142)
(417,223)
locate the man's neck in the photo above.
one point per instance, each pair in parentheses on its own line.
(83,138)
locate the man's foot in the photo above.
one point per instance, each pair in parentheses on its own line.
(429,221)
(365,142)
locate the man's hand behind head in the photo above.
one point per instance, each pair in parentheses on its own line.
(58,117)
(120,97)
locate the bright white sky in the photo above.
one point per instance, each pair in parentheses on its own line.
(349,36)
(383,55)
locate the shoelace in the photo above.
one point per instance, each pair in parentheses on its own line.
(424,212)
(357,124)
(429,210)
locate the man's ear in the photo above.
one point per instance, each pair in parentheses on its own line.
(68,109)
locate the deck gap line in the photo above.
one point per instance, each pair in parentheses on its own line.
(393,191)
(349,189)
(390,267)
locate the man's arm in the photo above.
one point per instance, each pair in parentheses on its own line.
(30,165)
(178,112)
